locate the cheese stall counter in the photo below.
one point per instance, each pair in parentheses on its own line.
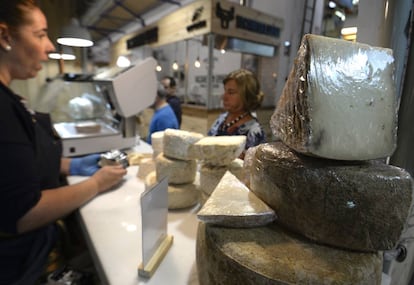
(111,224)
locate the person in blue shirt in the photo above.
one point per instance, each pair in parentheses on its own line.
(164,117)
(242,96)
(171,86)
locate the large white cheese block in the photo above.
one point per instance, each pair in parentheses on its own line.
(218,150)
(179,196)
(270,255)
(178,171)
(177,143)
(353,205)
(233,205)
(339,101)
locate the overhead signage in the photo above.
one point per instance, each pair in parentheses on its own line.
(211,16)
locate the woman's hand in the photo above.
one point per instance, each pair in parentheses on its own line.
(108,176)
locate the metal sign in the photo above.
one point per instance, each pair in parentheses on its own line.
(154,210)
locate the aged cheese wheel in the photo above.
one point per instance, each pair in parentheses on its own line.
(339,101)
(272,256)
(232,204)
(135,158)
(146,166)
(218,150)
(353,205)
(178,171)
(177,143)
(210,176)
(179,196)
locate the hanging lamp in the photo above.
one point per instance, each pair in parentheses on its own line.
(75,35)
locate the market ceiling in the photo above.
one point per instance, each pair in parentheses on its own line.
(107,18)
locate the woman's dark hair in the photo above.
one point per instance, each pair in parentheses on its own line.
(248,86)
(14,13)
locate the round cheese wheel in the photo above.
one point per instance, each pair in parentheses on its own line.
(178,171)
(273,256)
(353,205)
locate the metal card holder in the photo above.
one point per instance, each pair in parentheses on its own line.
(155,240)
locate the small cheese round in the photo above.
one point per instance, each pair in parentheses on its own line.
(179,196)
(178,171)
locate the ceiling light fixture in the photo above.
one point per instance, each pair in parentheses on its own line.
(63,52)
(175,65)
(158,68)
(75,35)
(197,62)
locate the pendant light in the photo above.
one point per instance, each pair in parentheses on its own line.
(75,35)
(63,52)
(197,63)
(175,65)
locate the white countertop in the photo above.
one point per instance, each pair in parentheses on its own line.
(112,226)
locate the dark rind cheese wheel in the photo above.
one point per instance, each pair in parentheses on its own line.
(353,205)
(273,256)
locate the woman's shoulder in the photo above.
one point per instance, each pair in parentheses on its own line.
(254,132)
(251,126)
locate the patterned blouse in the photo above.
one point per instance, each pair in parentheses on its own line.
(251,129)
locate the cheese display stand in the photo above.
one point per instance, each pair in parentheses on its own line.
(338,205)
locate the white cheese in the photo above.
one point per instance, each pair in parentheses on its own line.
(218,150)
(179,196)
(177,142)
(339,101)
(233,205)
(146,166)
(178,171)
(210,175)
(157,143)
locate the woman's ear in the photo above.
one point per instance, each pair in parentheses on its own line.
(4,37)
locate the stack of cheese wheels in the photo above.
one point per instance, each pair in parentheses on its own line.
(338,205)
(157,143)
(216,156)
(175,163)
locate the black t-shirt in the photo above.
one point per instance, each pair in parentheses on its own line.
(29,163)
(175,104)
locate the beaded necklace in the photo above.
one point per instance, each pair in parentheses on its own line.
(224,126)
